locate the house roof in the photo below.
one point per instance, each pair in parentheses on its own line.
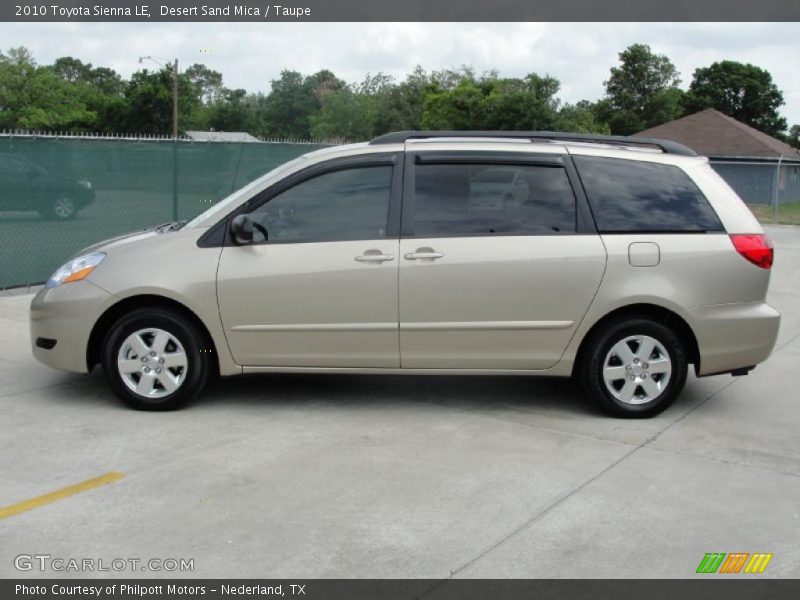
(221,136)
(711,133)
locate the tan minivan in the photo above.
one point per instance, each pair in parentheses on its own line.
(620,261)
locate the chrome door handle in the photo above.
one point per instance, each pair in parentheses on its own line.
(375,258)
(423,255)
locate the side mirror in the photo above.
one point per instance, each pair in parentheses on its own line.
(242,229)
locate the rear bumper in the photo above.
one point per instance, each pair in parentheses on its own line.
(65,315)
(734,336)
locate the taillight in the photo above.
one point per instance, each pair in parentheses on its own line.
(755,247)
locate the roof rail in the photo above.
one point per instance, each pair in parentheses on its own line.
(666,146)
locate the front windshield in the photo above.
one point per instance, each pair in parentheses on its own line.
(229,202)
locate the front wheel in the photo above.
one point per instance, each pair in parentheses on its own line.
(62,208)
(634,367)
(153,359)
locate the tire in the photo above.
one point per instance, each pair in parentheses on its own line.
(640,385)
(62,208)
(175,375)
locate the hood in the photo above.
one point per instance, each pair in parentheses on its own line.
(128,239)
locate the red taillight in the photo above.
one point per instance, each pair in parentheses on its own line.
(755,247)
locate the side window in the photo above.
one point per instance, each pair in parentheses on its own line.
(638,196)
(474,199)
(351,204)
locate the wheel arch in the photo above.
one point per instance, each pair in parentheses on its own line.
(656,312)
(125,305)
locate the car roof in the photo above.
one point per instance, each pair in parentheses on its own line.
(624,148)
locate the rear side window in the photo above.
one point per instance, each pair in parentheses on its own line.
(638,196)
(475,199)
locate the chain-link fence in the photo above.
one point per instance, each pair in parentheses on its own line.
(61,194)
(771,187)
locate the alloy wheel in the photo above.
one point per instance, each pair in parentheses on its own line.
(152,363)
(637,369)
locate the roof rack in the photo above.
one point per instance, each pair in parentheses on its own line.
(666,146)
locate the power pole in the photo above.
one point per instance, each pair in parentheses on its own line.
(175,100)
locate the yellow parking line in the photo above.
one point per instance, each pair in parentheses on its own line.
(26,505)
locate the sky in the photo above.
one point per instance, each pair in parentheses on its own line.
(580,55)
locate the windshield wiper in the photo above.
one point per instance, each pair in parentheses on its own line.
(167,227)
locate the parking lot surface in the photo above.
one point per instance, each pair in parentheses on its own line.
(367,476)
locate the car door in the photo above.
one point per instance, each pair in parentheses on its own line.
(321,289)
(493,286)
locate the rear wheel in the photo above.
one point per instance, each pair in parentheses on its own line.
(634,367)
(153,359)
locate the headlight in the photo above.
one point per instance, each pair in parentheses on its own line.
(76,269)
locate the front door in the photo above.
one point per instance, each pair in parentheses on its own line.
(321,289)
(492,278)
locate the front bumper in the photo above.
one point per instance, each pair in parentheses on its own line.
(734,336)
(66,314)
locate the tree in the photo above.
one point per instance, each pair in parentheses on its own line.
(742,91)
(288,106)
(794,136)
(34,97)
(234,110)
(580,118)
(641,93)
(72,69)
(492,103)
(148,103)
(207,82)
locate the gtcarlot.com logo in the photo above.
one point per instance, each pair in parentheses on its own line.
(46,562)
(734,562)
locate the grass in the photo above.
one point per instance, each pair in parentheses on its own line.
(788,214)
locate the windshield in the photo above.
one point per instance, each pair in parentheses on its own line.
(229,202)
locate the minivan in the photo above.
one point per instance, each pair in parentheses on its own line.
(620,261)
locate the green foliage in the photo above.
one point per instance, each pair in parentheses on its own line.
(742,91)
(581,118)
(794,136)
(148,103)
(34,97)
(294,98)
(208,83)
(641,93)
(491,103)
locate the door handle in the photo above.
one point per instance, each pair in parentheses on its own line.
(374,256)
(427,254)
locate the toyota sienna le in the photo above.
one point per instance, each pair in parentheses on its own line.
(619,261)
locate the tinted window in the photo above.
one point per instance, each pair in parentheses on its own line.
(453,199)
(628,195)
(352,204)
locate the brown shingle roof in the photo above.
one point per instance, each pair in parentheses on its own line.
(711,133)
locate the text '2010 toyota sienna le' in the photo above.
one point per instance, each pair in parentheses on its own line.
(620,261)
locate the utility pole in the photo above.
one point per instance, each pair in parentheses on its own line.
(174,69)
(175,100)
(175,141)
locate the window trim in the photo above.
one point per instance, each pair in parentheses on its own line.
(219,234)
(584,223)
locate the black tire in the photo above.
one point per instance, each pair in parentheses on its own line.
(197,367)
(62,208)
(598,348)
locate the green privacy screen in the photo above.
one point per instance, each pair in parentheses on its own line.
(59,195)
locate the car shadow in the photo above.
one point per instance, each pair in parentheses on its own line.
(465,392)
(307,390)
